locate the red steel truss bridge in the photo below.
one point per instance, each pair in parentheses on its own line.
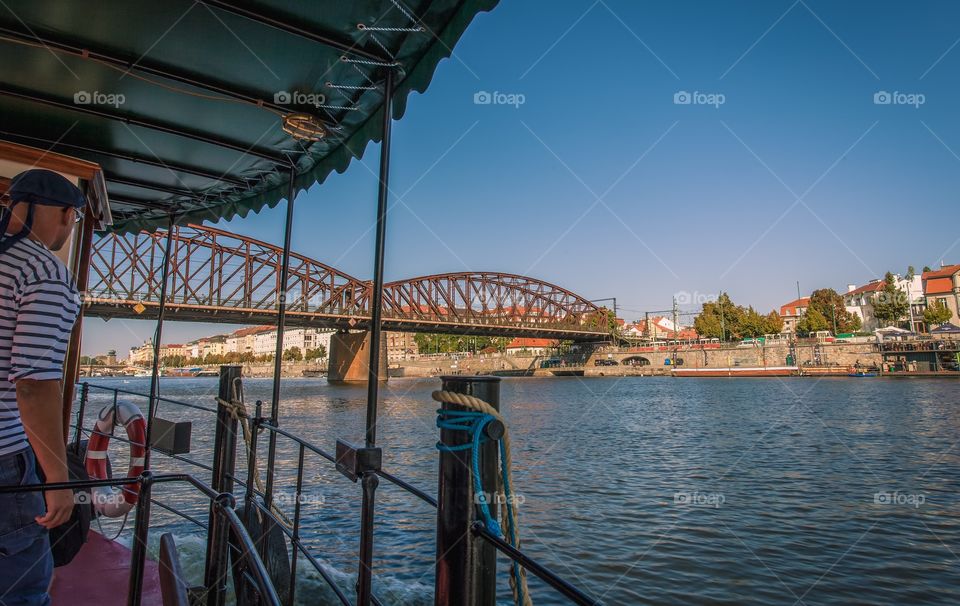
(217,276)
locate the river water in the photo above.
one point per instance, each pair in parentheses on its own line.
(641,490)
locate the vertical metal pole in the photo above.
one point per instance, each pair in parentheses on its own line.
(370,481)
(72,366)
(466,564)
(141,534)
(78,433)
(157,336)
(215,574)
(224,462)
(252,462)
(225,436)
(376,298)
(295,536)
(278,350)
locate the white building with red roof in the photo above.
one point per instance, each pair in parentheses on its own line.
(942,286)
(859,300)
(792,312)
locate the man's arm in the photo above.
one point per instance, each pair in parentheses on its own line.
(41,415)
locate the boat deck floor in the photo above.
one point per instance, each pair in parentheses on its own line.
(100,575)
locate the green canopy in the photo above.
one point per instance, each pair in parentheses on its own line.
(183,102)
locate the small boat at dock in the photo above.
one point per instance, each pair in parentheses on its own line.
(738,371)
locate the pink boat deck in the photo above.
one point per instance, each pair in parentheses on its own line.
(100,575)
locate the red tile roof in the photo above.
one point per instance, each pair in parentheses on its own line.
(801,302)
(874,286)
(939,281)
(943,272)
(251,330)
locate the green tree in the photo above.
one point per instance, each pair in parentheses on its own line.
(937,314)
(603,319)
(830,305)
(926,268)
(811,322)
(292,355)
(752,324)
(708,325)
(429,343)
(175,361)
(890,305)
(720,319)
(774,323)
(317,353)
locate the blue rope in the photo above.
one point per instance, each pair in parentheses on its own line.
(473,423)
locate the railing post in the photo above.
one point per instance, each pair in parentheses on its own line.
(141,534)
(466,564)
(215,573)
(224,463)
(81,410)
(248,494)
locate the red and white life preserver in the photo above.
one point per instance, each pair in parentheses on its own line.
(106,500)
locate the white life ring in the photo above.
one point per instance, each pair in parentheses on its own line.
(107,500)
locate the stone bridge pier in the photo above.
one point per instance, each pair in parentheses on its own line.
(349,358)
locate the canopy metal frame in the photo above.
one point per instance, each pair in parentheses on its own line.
(145,66)
(91,110)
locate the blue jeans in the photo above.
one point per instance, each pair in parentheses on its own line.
(26,565)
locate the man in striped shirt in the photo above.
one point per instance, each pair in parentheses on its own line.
(38,307)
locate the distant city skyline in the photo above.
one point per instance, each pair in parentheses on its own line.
(689,151)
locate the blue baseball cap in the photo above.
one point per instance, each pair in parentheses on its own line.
(46,187)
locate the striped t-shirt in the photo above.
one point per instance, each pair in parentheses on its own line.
(38,307)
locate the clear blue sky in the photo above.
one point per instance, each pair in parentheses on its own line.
(601,183)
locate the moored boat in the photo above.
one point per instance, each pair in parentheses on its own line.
(738,371)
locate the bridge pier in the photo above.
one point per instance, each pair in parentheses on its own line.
(349,358)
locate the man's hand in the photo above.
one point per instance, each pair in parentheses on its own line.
(59,507)
(40,412)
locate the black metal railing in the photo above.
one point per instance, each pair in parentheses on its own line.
(223,517)
(222,505)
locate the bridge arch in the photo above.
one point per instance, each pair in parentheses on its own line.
(635,361)
(487,298)
(215,268)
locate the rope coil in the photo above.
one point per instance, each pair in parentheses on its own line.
(474,421)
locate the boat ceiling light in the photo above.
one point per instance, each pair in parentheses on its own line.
(303,127)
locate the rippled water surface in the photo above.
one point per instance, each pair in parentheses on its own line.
(646,490)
